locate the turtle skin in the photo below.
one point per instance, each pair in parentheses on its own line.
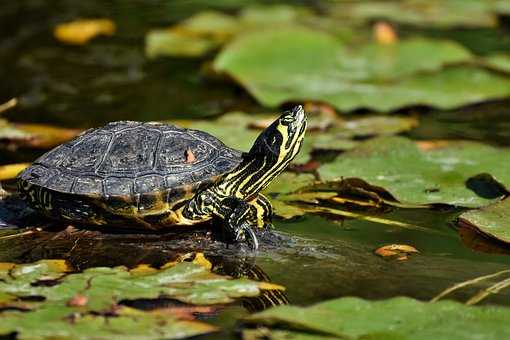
(126,173)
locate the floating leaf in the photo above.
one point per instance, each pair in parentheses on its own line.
(457,174)
(10,171)
(427,13)
(397,318)
(61,322)
(401,251)
(46,136)
(80,32)
(88,301)
(297,64)
(8,105)
(187,282)
(493,220)
(500,62)
(208,30)
(11,134)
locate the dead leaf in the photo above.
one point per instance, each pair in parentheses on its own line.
(78,301)
(190,157)
(384,33)
(400,250)
(80,32)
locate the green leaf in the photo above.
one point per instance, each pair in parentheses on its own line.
(500,62)
(100,290)
(397,318)
(205,31)
(298,64)
(62,322)
(493,220)
(451,175)
(427,13)
(194,37)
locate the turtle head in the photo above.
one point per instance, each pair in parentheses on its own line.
(280,142)
(270,154)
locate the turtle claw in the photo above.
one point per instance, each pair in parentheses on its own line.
(242,233)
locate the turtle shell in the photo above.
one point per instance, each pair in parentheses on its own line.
(133,162)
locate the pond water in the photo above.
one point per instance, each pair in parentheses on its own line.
(317,257)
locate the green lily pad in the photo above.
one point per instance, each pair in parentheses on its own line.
(104,287)
(63,323)
(193,37)
(232,128)
(87,302)
(427,13)
(205,31)
(500,62)
(397,318)
(493,220)
(453,174)
(298,64)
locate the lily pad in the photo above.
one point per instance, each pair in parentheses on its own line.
(493,220)
(298,64)
(208,30)
(456,174)
(500,62)
(60,322)
(397,318)
(427,13)
(60,312)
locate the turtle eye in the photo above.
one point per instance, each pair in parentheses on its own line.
(286,120)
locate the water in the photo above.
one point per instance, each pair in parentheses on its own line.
(318,257)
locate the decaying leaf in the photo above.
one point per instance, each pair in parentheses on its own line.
(394,250)
(384,33)
(80,32)
(190,157)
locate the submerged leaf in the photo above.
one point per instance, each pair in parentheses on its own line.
(397,318)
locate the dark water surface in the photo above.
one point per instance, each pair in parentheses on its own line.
(109,79)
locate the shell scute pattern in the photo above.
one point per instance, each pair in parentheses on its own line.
(132,151)
(131,164)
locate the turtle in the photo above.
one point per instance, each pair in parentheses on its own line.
(152,175)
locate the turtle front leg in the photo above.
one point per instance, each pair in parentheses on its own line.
(247,216)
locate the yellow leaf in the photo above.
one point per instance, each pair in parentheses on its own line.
(6,265)
(58,265)
(10,171)
(201,260)
(143,269)
(80,32)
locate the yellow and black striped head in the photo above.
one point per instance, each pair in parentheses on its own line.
(271,153)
